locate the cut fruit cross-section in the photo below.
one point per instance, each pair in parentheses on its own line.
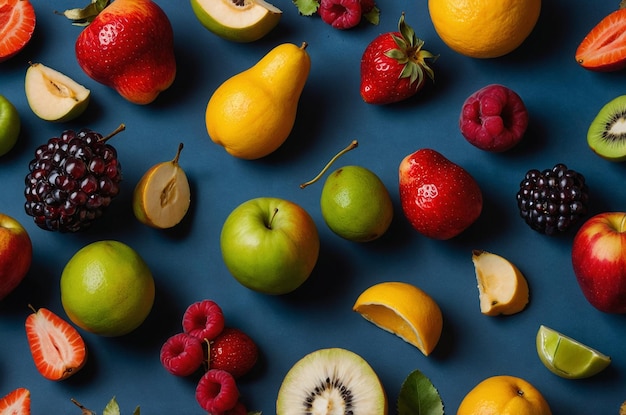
(502,289)
(17,24)
(567,357)
(404,310)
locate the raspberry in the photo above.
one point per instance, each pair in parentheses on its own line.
(239,409)
(233,351)
(217,391)
(72,180)
(182,354)
(340,14)
(367,6)
(203,319)
(552,200)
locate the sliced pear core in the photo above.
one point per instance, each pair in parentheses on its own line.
(52,95)
(502,288)
(162,197)
(237,20)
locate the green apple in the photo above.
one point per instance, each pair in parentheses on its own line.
(54,96)
(16,253)
(9,125)
(270,245)
(237,20)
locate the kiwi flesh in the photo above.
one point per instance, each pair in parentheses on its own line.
(331,381)
(607,132)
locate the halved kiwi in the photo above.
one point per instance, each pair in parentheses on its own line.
(331,382)
(607,132)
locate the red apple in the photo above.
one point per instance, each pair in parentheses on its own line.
(16,253)
(599,261)
(439,198)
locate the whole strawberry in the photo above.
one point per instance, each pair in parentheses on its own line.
(393,66)
(127,45)
(233,351)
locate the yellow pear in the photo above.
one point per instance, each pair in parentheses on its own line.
(252,113)
(162,196)
(502,288)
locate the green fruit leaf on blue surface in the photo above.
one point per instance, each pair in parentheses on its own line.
(418,396)
(307,7)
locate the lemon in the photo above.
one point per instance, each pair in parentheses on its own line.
(484,28)
(107,288)
(567,357)
(502,288)
(504,395)
(404,310)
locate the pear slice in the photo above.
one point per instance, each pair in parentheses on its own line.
(162,196)
(54,96)
(502,288)
(237,20)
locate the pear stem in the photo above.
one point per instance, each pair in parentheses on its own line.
(119,129)
(180,148)
(353,144)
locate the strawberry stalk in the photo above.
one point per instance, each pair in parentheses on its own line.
(410,54)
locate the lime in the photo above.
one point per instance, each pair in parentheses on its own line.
(567,357)
(356,204)
(107,288)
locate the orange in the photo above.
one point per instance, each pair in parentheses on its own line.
(504,395)
(404,310)
(484,28)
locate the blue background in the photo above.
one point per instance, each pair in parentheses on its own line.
(561,97)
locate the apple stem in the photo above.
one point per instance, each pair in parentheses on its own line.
(269,224)
(180,148)
(304,45)
(353,144)
(119,129)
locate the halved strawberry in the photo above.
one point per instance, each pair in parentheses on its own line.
(57,348)
(16,402)
(604,47)
(17,24)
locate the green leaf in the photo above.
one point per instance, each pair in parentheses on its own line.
(136,411)
(307,7)
(84,16)
(373,16)
(418,396)
(112,408)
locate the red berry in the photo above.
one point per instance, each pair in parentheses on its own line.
(340,14)
(233,351)
(367,6)
(203,319)
(394,66)
(217,391)
(494,118)
(239,409)
(182,354)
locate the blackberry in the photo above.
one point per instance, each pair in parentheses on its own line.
(72,180)
(552,200)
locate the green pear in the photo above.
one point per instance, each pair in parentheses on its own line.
(54,96)
(237,20)
(355,203)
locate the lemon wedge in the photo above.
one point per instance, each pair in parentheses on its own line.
(502,289)
(404,310)
(567,357)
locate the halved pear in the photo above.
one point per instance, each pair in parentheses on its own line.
(237,20)
(502,288)
(162,196)
(54,96)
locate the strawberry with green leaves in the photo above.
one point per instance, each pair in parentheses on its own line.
(394,66)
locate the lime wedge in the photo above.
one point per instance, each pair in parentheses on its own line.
(567,357)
